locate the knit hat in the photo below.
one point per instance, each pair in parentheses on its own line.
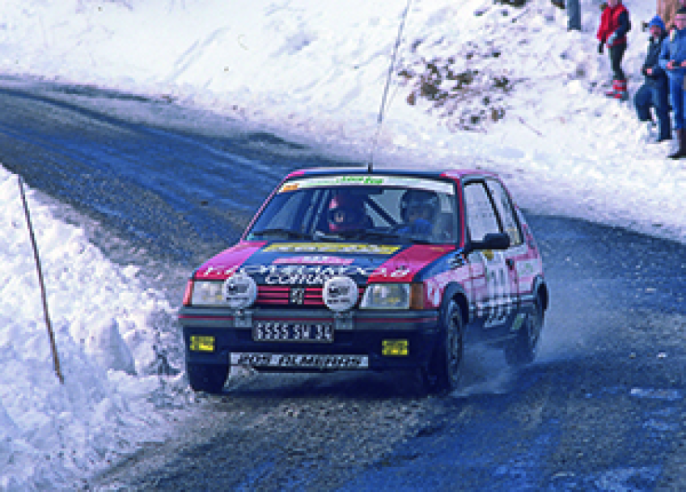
(657,21)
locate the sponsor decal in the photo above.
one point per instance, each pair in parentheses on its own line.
(366,180)
(307,274)
(314,260)
(220,265)
(457,261)
(499,316)
(288,187)
(300,360)
(518,322)
(240,291)
(526,268)
(434,291)
(340,293)
(354,248)
(297,295)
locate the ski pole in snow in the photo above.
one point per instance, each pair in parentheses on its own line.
(44,297)
(382,109)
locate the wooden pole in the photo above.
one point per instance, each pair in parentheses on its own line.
(44,297)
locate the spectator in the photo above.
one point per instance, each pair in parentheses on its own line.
(614,25)
(673,61)
(655,90)
(573,13)
(666,9)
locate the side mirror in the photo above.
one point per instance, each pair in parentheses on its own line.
(497,241)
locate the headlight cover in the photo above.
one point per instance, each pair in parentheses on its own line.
(386,296)
(207,293)
(236,292)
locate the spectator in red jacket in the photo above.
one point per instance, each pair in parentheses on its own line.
(614,25)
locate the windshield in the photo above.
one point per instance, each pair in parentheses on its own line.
(361,207)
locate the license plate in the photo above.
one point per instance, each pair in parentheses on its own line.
(269,331)
(302,361)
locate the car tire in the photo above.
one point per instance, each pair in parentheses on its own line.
(445,368)
(209,378)
(523,349)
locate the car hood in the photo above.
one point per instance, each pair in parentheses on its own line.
(307,263)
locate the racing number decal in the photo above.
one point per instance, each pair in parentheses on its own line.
(498,303)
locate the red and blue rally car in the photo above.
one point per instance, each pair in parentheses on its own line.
(384,270)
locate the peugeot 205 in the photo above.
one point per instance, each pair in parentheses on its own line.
(361,270)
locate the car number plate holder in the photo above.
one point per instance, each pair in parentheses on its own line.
(276,331)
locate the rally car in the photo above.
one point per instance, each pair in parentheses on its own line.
(383,270)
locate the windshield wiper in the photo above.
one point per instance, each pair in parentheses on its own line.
(414,238)
(381,234)
(290,233)
(359,234)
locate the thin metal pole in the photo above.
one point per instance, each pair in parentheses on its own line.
(384,97)
(44,297)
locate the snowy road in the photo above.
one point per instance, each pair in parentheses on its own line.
(603,409)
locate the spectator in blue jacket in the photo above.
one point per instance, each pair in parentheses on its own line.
(673,61)
(654,93)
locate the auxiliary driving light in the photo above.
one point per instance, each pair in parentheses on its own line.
(395,348)
(240,291)
(340,293)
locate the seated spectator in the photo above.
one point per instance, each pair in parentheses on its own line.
(654,93)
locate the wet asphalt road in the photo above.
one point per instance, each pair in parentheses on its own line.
(603,408)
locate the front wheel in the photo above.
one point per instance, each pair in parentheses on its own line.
(445,368)
(209,378)
(523,349)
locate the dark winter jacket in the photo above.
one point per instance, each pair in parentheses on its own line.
(614,21)
(658,77)
(674,48)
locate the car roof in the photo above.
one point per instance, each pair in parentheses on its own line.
(456,174)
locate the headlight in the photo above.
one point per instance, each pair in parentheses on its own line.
(386,296)
(237,292)
(207,294)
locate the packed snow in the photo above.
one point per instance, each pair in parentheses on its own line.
(475,84)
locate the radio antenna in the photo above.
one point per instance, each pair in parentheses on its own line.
(391,68)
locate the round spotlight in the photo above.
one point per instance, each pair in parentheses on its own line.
(340,293)
(240,291)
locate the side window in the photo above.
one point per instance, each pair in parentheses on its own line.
(481,217)
(506,211)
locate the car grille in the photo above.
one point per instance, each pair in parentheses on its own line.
(270,296)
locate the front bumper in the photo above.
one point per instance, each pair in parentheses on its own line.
(358,339)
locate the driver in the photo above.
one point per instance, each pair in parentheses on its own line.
(418,209)
(346,213)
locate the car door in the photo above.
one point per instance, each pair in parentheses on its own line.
(510,225)
(493,274)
